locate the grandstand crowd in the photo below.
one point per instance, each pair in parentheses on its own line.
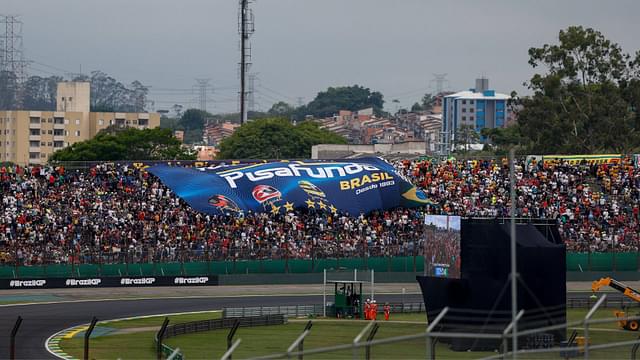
(115,213)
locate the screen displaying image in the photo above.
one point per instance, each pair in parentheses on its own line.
(442,246)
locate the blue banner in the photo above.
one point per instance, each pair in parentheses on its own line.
(352,187)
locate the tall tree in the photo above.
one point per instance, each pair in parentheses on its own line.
(8,91)
(281,109)
(583,102)
(40,93)
(465,136)
(126,144)
(334,99)
(275,138)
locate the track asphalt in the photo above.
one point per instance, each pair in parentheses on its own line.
(42,320)
(64,309)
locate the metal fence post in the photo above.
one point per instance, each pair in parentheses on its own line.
(429,341)
(587,318)
(230,351)
(12,349)
(372,333)
(634,350)
(160,336)
(87,335)
(507,330)
(299,341)
(231,334)
(356,340)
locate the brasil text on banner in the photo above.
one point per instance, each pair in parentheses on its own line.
(354,187)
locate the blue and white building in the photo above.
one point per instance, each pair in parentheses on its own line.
(479,107)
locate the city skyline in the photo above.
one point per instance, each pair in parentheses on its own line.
(303,47)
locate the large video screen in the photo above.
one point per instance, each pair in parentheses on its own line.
(442,246)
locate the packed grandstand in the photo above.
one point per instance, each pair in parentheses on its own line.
(115,213)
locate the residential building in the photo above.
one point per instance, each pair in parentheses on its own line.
(30,137)
(215,132)
(479,107)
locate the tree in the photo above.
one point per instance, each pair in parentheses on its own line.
(465,136)
(334,99)
(428,101)
(416,107)
(281,109)
(110,95)
(583,103)
(192,122)
(8,91)
(505,138)
(275,138)
(112,144)
(40,93)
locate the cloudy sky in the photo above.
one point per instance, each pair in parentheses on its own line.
(303,46)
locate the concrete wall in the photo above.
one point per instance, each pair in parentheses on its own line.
(333,151)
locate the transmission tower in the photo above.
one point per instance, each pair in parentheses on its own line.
(440,80)
(251,92)
(202,86)
(299,101)
(246,28)
(12,52)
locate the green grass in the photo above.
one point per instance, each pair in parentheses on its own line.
(157,320)
(275,339)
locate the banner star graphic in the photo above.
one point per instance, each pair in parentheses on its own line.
(275,209)
(322,205)
(288,206)
(310,203)
(333,209)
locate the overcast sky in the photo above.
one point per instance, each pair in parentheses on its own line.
(303,46)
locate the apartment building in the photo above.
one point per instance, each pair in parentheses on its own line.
(30,137)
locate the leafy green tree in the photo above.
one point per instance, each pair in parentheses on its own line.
(281,109)
(416,107)
(8,91)
(505,138)
(334,99)
(113,144)
(465,136)
(275,138)
(40,93)
(428,101)
(584,102)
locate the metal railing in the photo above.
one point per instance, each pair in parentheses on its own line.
(309,310)
(500,338)
(225,323)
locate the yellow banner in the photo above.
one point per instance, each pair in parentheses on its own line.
(578,159)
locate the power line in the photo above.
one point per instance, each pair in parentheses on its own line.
(277,93)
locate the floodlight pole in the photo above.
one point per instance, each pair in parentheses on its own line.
(324,294)
(514,274)
(373,285)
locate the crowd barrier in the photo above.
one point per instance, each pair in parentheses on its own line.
(576,262)
(206,268)
(609,261)
(104,282)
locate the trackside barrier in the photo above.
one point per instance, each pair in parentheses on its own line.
(216,324)
(97,266)
(309,310)
(167,331)
(500,337)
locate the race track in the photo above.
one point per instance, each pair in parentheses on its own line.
(42,320)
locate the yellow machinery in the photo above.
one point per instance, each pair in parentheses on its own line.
(632,325)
